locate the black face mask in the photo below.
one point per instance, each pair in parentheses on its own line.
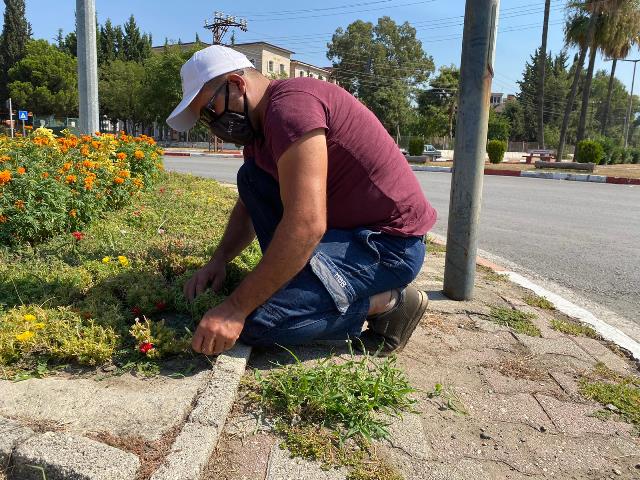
(232,127)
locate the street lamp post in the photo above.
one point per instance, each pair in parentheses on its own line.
(627,120)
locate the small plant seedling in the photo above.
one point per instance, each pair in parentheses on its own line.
(450,399)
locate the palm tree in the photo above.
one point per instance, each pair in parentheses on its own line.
(543,63)
(619,36)
(580,29)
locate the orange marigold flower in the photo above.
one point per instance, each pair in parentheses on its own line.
(22,170)
(45,175)
(85,138)
(84,151)
(138,183)
(118,180)
(19,204)
(121,156)
(124,173)
(3,219)
(73,213)
(66,167)
(97,134)
(5,177)
(139,154)
(71,179)
(87,164)
(95,144)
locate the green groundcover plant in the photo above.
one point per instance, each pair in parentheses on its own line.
(112,291)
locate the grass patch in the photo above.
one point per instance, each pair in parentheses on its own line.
(515,319)
(332,410)
(538,301)
(75,300)
(612,389)
(573,328)
(433,247)
(492,276)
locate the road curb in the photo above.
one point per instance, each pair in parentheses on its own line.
(608,332)
(64,456)
(201,154)
(194,445)
(575,177)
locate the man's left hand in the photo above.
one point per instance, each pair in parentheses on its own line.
(218,330)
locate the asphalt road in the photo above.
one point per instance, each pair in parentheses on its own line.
(584,237)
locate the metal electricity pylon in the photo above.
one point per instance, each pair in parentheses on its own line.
(221,23)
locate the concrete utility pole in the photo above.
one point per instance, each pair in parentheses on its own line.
(87,66)
(476,73)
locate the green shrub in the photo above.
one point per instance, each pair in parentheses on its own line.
(589,151)
(496,149)
(416,146)
(627,155)
(635,155)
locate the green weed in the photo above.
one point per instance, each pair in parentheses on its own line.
(492,276)
(610,388)
(450,399)
(572,328)
(330,411)
(538,301)
(515,319)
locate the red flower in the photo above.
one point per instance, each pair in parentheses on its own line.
(145,347)
(162,190)
(137,311)
(160,306)
(78,235)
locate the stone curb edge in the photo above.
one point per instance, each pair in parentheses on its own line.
(201,154)
(608,332)
(575,177)
(63,455)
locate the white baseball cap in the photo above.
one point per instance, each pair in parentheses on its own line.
(204,65)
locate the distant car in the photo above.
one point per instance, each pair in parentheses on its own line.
(430,151)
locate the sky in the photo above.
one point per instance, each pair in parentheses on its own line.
(306,27)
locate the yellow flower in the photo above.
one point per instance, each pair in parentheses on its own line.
(106,259)
(124,261)
(38,325)
(29,318)
(25,336)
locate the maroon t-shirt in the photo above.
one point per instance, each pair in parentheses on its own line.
(370,184)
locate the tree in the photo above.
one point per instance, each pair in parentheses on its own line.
(499,127)
(135,47)
(542,64)
(45,80)
(16,32)
(109,44)
(381,65)
(442,94)
(120,86)
(619,36)
(513,112)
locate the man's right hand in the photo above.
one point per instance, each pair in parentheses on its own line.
(213,273)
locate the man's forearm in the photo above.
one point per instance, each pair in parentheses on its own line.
(238,234)
(289,251)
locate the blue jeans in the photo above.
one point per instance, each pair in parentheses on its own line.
(329,298)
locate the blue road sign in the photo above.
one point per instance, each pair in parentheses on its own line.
(23,115)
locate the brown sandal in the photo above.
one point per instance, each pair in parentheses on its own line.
(389,332)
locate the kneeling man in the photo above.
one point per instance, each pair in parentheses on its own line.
(339,215)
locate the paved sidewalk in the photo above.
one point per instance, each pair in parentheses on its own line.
(517,411)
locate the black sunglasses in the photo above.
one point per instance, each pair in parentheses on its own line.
(208,112)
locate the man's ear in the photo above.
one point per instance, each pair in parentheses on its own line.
(239,81)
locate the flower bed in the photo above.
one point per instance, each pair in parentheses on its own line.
(50,184)
(75,298)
